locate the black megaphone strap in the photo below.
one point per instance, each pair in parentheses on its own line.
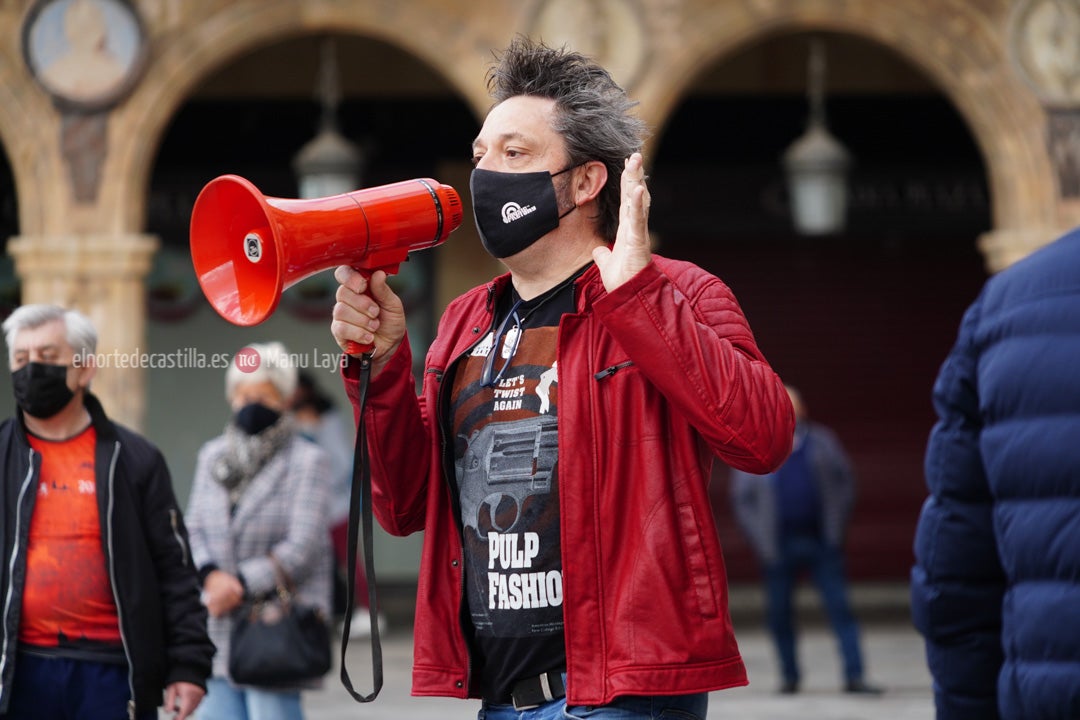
(361,488)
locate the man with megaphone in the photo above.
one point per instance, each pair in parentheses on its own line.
(559,453)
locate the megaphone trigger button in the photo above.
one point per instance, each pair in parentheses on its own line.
(253,247)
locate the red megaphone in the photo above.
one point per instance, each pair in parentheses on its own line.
(248,248)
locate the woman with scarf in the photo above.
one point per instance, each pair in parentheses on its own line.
(260,497)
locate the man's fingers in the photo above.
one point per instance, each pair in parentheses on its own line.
(633,173)
(187,698)
(378,286)
(184,710)
(363,314)
(351,278)
(358,307)
(345,333)
(171,701)
(635,193)
(347,277)
(641,200)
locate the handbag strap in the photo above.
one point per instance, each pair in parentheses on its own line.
(361,488)
(284,584)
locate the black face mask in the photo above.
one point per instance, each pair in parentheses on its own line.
(514,210)
(41,390)
(253,418)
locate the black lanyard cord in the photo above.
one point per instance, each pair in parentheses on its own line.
(361,503)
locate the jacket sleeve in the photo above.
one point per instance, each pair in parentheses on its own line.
(196,516)
(398,439)
(694,344)
(188,647)
(957,584)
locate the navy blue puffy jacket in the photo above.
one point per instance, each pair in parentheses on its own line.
(996,585)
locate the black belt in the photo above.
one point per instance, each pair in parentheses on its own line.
(535,691)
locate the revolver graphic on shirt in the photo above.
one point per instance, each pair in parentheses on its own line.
(510,460)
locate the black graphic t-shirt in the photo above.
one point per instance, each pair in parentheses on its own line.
(505,421)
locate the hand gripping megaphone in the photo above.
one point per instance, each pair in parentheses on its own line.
(248,248)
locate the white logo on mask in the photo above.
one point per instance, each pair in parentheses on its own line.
(511,211)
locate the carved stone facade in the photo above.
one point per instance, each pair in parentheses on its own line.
(82,175)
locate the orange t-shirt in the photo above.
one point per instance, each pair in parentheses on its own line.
(67,598)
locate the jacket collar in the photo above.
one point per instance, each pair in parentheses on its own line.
(103,427)
(588,288)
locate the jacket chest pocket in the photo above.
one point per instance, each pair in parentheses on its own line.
(624,400)
(612,369)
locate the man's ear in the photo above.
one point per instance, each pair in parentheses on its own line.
(589,180)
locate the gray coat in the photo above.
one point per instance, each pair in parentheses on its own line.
(284,510)
(754,496)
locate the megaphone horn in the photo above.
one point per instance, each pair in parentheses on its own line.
(248,248)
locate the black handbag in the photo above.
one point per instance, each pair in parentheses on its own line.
(276,642)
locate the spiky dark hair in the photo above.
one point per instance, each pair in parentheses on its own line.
(592,113)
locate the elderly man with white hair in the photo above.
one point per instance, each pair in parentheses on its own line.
(260,498)
(101,611)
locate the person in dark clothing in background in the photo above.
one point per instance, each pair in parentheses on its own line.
(996,584)
(796,519)
(102,613)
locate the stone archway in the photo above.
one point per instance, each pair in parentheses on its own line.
(419,28)
(963,55)
(93,255)
(21,114)
(194,49)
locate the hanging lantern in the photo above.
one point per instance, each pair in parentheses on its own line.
(816,164)
(328,164)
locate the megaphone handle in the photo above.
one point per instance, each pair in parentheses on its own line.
(355,348)
(351,346)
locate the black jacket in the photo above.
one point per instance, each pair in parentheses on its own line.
(145,543)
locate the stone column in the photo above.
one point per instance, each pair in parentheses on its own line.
(103,277)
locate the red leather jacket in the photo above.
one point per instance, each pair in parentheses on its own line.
(655,379)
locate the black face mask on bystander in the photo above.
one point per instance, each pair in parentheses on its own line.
(41,390)
(253,418)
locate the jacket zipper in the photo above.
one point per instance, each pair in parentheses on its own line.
(174,520)
(455,503)
(609,371)
(112,579)
(11,567)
